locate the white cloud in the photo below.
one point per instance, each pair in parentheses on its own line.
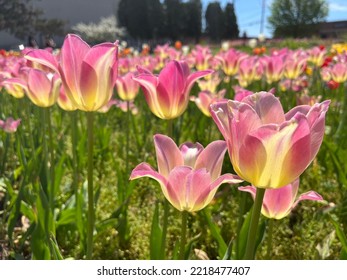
(336,7)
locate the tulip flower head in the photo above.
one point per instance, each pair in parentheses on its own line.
(268,148)
(206,98)
(88,73)
(10,125)
(189,176)
(127,88)
(42,88)
(278,203)
(167,95)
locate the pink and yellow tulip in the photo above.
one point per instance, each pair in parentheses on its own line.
(278,203)
(41,88)
(167,95)
(206,98)
(268,148)
(88,73)
(127,88)
(189,176)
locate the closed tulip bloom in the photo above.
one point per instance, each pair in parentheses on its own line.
(278,203)
(294,66)
(230,61)
(88,73)
(339,72)
(167,95)
(127,88)
(274,68)
(317,56)
(268,148)
(41,88)
(189,176)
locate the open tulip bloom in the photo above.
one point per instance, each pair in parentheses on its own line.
(167,95)
(189,176)
(278,203)
(268,148)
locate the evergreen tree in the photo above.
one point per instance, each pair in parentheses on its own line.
(214,21)
(174,18)
(192,22)
(133,15)
(231,28)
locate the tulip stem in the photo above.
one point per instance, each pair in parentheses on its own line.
(184,216)
(91,213)
(127,138)
(51,159)
(252,232)
(269,239)
(74,131)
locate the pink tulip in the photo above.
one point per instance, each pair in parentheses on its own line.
(10,125)
(41,88)
(274,68)
(241,93)
(339,72)
(317,56)
(230,61)
(88,73)
(278,203)
(206,98)
(250,69)
(268,148)
(202,57)
(127,88)
(167,95)
(189,176)
(210,83)
(294,65)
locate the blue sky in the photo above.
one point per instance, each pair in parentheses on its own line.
(248,14)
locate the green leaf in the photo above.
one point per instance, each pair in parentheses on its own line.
(228,252)
(242,238)
(55,252)
(215,232)
(156,235)
(342,237)
(67,216)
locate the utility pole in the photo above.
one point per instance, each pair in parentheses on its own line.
(262,17)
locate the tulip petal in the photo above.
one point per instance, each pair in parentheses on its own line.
(149,83)
(316,118)
(168,154)
(267,106)
(190,153)
(72,53)
(220,114)
(211,158)
(96,77)
(145,170)
(43,57)
(40,88)
(191,79)
(298,157)
(179,187)
(311,195)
